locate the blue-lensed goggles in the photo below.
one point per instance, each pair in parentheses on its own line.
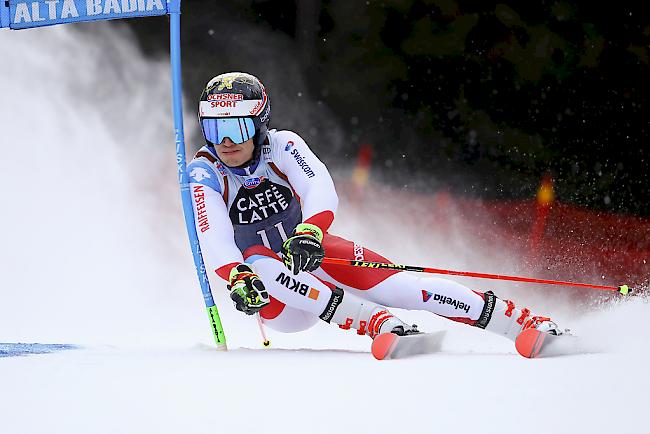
(236,129)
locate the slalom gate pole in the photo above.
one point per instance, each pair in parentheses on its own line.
(183,178)
(25,14)
(623,289)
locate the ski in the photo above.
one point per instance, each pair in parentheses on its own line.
(533,344)
(391,346)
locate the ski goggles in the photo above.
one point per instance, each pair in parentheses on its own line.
(236,129)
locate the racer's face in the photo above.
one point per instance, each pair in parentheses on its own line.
(235,154)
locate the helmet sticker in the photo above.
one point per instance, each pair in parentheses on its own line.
(223,81)
(225,97)
(265,116)
(260,104)
(227,108)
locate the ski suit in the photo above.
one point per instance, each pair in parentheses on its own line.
(245,214)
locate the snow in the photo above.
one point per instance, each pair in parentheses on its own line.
(94,254)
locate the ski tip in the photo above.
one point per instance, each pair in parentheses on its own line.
(530,342)
(624,289)
(383,345)
(11,349)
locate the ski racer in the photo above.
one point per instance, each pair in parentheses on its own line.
(263,204)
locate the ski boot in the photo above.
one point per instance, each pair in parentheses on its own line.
(508,320)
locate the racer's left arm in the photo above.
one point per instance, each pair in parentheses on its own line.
(313,184)
(309,178)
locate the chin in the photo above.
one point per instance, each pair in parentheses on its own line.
(231,162)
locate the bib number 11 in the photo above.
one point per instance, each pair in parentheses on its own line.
(265,238)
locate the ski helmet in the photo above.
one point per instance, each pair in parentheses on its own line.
(234,95)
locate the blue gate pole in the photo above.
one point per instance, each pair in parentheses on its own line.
(174,8)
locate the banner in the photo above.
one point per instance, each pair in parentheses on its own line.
(23,14)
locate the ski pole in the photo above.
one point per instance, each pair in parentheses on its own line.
(623,289)
(265,341)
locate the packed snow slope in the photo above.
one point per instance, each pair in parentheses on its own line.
(94,254)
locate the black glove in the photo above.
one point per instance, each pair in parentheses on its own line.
(247,290)
(304,251)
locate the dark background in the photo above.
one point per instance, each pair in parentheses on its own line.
(474,97)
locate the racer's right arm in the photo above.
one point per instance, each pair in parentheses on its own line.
(213,226)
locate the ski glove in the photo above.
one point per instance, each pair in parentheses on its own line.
(304,251)
(247,290)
